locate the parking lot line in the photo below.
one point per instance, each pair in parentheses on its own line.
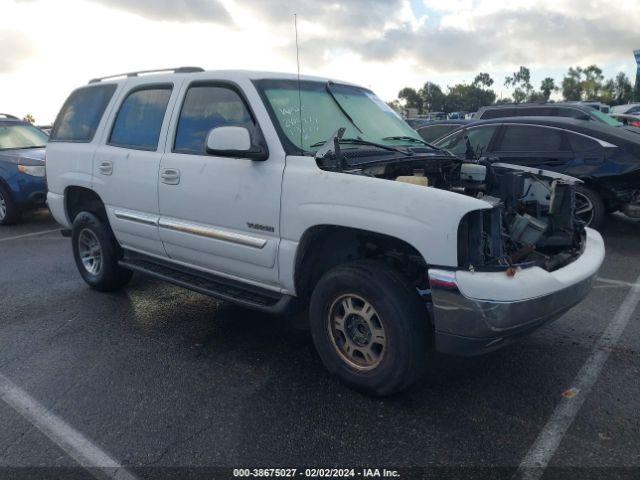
(17,237)
(534,463)
(100,464)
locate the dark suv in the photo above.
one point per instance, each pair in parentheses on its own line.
(606,159)
(22,168)
(566,109)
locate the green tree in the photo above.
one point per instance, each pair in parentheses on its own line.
(622,89)
(411,98)
(470,98)
(29,118)
(547,87)
(592,83)
(572,84)
(482,80)
(432,97)
(521,81)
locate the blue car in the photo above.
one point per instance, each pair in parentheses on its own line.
(22,168)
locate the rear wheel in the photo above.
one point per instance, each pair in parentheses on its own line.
(9,212)
(96,253)
(369,327)
(589,206)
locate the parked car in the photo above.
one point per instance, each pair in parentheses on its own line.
(416,122)
(606,159)
(216,182)
(575,110)
(22,171)
(629,108)
(627,119)
(432,131)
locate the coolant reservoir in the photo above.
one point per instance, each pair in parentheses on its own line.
(417,178)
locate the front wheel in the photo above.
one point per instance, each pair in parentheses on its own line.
(9,212)
(96,253)
(589,206)
(370,327)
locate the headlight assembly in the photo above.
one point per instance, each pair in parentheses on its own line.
(33,170)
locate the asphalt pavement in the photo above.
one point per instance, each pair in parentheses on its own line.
(167,381)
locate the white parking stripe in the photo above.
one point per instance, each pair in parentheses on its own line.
(76,445)
(17,237)
(543,449)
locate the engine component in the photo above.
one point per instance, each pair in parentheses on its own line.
(526,229)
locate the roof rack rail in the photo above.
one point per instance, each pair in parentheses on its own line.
(10,117)
(159,70)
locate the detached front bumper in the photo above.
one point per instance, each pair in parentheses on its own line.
(476,312)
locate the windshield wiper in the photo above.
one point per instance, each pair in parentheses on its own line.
(359,141)
(344,112)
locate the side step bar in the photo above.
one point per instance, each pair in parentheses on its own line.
(214,286)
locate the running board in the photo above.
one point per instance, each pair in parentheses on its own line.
(207,284)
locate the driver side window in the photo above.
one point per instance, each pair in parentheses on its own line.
(474,141)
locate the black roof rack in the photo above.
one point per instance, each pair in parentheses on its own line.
(10,117)
(159,70)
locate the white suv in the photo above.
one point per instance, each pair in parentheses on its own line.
(291,195)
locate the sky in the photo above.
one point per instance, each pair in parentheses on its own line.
(50,47)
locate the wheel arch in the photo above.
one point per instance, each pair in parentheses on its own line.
(325,246)
(78,199)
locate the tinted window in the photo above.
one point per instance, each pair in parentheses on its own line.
(81,113)
(139,120)
(207,107)
(474,141)
(13,136)
(434,132)
(634,110)
(580,143)
(531,139)
(535,112)
(573,113)
(498,113)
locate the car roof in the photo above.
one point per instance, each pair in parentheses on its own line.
(597,129)
(196,73)
(580,106)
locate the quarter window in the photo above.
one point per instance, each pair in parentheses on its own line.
(531,139)
(81,113)
(207,107)
(580,143)
(139,120)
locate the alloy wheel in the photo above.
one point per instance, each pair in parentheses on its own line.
(357,332)
(90,251)
(584,208)
(3,207)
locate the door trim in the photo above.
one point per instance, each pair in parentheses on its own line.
(214,233)
(136,217)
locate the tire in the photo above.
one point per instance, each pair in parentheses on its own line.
(96,253)
(399,320)
(9,211)
(586,198)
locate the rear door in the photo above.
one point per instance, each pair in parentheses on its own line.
(533,146)
(127,162)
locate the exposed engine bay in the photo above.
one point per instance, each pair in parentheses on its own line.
(530,215)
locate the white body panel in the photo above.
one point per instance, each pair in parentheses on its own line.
(245,219)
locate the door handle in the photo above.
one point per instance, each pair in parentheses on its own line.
(170,176)
(106,168)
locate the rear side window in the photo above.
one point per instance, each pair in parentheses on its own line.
(573,113)
(81,114)
(499,113)
(535,112)
(139,120)
(531,139)
(581,143)
(207,107)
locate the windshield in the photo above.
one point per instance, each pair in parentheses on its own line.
(21,136)
(327,107)
(603,117)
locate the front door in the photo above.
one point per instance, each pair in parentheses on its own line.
(219,214)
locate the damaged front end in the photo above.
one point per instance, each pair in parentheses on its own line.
(531,221)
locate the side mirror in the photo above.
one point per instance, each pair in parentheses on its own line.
(234,142)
